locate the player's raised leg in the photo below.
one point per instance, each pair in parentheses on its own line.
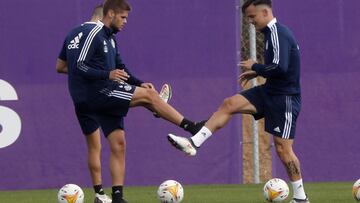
(229,107)
(150,99)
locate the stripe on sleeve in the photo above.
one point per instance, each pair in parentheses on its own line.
(275,43)
(86,46)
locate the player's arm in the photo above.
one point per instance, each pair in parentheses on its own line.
(280,61)
(92,44)
(61,66)
(91,73)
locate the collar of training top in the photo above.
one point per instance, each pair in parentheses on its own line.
(269,25)
(109,31)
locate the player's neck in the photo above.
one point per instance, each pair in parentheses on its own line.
(107,22)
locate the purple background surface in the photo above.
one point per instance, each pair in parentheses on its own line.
(192,46)
(327,129)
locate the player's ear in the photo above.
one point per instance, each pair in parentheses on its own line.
(111,13)
(265,12)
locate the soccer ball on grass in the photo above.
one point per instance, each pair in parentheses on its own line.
(170,191)
(356,190)
(276,190)
(70,193)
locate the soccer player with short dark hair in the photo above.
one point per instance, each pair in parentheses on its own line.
(103,89)
(278,100)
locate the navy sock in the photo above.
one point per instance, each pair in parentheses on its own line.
(117,193)
(99,189)
(192,127)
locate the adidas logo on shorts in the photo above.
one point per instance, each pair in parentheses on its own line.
(277,129)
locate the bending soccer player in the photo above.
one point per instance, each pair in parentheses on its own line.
(278,100)
(103,89)
(93,140)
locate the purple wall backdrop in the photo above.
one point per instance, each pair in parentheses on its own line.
(190,44)
(327,131)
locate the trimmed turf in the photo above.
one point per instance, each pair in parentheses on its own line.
(339,192)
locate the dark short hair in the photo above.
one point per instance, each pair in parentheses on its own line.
(98,10)
(116,5)
(248,3)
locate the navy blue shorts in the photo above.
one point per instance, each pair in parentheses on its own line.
(280,111)
(107,110)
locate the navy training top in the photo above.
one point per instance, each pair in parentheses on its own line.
(282,60)
(91,53)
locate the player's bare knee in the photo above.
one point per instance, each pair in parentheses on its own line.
(118,147)
(152,96)
(227,105)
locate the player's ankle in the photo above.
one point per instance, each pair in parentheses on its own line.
(187,125)
(99,189)
(192,127)
(199,138)
(117,193)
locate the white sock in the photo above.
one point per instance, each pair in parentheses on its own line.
(201,136)
(298,188)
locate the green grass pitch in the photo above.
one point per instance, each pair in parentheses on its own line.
(339,192)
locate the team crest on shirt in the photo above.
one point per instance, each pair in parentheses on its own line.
(105,47)
(127,87)
(112,43)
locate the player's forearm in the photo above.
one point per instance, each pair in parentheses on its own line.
(267,70)
(64,71)
(132,80)
(91,73)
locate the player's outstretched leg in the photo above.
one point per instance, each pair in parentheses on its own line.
(150,99)
(230,106)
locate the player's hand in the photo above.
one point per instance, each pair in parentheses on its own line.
(61,66)
(246,65)
(118,75)
(245,77)
(147,85)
